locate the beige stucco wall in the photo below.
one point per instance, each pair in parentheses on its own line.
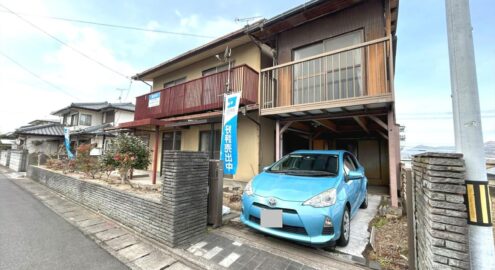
(245,54)
(251,160)
(267,142)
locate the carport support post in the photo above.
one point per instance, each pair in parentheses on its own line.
(393,157)
(155,154)
(277,140)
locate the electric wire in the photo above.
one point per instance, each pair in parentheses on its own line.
(36,75)
(66,44)
(115,25)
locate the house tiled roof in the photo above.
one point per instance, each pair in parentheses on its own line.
(98,106)
(53,129)
(93,130)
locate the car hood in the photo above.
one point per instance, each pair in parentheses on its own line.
(290,187)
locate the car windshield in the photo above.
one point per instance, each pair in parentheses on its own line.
(307,165)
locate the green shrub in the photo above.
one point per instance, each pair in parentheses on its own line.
(129,152)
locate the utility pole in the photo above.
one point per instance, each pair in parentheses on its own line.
(468,133)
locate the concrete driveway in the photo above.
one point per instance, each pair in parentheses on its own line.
(237,247)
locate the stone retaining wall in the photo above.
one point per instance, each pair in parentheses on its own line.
(180,216)
(5,158)
(440,212)
(18,160)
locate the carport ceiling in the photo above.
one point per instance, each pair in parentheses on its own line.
(363,125)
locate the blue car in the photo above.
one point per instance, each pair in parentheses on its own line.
(308,196)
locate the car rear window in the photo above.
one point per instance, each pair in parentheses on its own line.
(307,164)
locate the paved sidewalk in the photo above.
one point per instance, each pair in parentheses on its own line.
(125,245)
(229,247)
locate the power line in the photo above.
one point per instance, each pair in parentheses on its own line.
(116,26)
(36,75)
(65,44)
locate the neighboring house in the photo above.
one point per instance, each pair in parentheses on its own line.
(90,122)
(319,76)
(40,136)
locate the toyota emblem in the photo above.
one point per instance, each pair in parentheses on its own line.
(272,201)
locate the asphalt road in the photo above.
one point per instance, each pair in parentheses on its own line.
(34,237)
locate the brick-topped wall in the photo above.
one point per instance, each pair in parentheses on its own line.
(440,212)
(176,219)
(185,194)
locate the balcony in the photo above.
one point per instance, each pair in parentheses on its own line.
(200,95)
(355,76)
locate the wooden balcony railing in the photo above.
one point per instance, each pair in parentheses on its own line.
(198,95)
(345,76)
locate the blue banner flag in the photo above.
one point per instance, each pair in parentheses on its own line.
(67,143)
(228,147)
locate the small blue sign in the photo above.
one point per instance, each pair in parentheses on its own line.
(154,99)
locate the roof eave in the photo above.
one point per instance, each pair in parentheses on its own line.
(210,45)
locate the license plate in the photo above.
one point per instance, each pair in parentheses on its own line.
(271,218)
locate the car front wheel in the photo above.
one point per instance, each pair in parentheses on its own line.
(345,228)
(364,205)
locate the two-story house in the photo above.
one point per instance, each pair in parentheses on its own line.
(319,76)
(89,122)
(332,86)
(184,110)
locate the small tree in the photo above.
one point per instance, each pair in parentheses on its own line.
(128,152)
(86,163)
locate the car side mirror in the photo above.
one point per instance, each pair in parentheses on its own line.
(355,175)
(266,168)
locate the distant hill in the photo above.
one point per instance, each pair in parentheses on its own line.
(490,149)
(408,152)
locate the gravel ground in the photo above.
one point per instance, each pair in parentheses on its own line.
(390,242)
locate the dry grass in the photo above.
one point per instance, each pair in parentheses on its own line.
(390,242)
(493,218)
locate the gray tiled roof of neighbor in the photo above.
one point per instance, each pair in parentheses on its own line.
(99,129)
(97,106)
(54,129)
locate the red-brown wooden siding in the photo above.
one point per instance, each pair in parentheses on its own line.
(200,95)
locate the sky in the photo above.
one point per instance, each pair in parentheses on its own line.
(57,75)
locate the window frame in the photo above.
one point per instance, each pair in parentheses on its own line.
(212,141)
(217,69)
(86,117)
(174,82)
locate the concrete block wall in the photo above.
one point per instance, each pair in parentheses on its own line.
(185,194)
(179,217)
(440,211)
(18,160)
(5,158)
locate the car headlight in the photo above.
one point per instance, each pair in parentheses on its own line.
(324,199)
(248,189)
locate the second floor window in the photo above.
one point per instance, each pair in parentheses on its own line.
(73,120)
(109,117)
(174,82)
(85,120)
(331,77)
(216,69)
